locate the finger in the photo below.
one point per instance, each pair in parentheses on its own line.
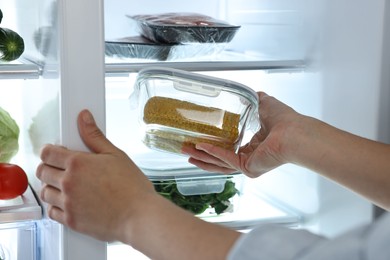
(200,154)
(203,156)
(50,175)
(56,214)
(91,135)
(190,150)
(261,95)
(210,167)
(222,156)
(52,196)
(54,156)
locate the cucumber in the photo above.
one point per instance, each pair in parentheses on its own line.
(11,45)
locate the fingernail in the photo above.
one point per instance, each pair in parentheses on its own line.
(201,146)
(87,117)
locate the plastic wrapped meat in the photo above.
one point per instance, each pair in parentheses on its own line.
(184,28)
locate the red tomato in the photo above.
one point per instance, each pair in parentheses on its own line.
(13,181)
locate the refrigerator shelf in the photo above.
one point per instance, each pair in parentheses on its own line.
(118,68)
(22,208)
(256,209)
(33,71)
(20,69)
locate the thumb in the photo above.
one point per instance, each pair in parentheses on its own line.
(91,135)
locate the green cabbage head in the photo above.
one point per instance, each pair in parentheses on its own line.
(9,136)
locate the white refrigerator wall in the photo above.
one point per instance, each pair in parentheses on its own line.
(355,63)
(353,67)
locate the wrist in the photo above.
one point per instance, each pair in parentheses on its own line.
(160,229)
(301,137)
(134,215)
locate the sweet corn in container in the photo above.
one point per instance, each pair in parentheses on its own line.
(179,108)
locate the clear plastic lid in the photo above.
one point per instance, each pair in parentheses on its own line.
(197,184)
(201,84)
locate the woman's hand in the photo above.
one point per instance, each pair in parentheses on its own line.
(93,193)
(267,149)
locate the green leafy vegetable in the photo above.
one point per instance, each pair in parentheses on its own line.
(9,136)
(11,45)
(197,204)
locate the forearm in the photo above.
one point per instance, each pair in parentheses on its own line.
(357,163)
(161,230)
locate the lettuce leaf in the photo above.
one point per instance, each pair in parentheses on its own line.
(9,136)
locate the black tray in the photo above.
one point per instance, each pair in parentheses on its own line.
(138,47)
(184,28)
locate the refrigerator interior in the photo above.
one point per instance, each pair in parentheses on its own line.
(33,103)
(18,241)
(18,227)
(305,53)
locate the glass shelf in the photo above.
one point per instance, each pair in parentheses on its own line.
(21,208)
(20,69)
(226,61)
(120,68)
(34,71)
(25,69)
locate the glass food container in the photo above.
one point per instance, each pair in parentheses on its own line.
(178,108)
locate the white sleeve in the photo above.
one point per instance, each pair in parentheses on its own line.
(279,243)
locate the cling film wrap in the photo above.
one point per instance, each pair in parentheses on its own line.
(173,36)
(138,47)
(181,28)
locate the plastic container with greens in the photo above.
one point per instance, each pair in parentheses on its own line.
(203,196)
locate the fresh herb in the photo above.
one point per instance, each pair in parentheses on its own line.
(197,204)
